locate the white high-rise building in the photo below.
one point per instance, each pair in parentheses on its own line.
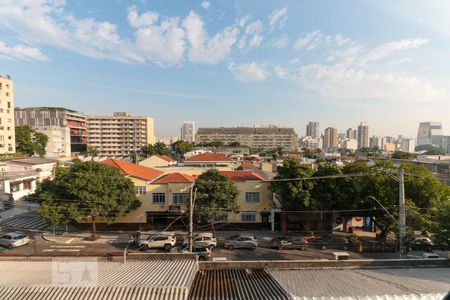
(7,127)
(313,129)
(363,135)
(409,145)
(188,131)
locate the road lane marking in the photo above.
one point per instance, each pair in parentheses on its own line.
(67,246)
(61,250)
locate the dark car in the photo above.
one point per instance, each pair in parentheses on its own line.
(202,253)
(420,243)
(289,242)
(330,242)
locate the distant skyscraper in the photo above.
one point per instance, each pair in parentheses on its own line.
(351,134)
(376,142)
(430,133)
(313,129)
(188,131)
(330,138)
(363,135)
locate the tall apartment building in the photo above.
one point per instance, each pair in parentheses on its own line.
(351,134)
(313,129)
(188,131)
(430,133)
(363,135)
(7,128)
(65,128)
(252,137)
(376,142)
(120,134)
(330,138)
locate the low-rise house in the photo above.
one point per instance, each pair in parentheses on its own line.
(211,160)
(164,196)
(158,161)
(43,166)
(15,185)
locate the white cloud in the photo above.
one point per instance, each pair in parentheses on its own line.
(146,19)
(21,52)
(387,49)
(281,42)
(278,16)
(207,50)
(205,5)
(309,41)
(400,61)
(249,72)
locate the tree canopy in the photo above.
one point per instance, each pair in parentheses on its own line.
(88,190)
(157,149)
(215,195)
(181,147)
(403,155)
(30,142)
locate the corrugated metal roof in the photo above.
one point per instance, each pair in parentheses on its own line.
(236,284)
(360,283)
(145,279)
(92,293)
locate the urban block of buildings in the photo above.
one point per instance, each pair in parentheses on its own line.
(256,138)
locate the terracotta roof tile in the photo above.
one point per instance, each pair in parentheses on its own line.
(133,170)
(176,178)
(210,157)
(167,158)
(241,175)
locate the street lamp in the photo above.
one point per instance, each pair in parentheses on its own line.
(192,194)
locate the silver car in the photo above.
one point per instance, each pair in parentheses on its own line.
(14,239)
(247,242)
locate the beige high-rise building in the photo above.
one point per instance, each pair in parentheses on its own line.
(7,129)
(363,135)
(121,134)
(330,138)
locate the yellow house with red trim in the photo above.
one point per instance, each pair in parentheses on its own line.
(164,196)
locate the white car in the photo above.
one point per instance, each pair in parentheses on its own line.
(14,239)
(203,240)
(158,241)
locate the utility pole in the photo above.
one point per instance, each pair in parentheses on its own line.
(191,214)
(402,213)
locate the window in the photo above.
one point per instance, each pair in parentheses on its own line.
(252,197)
(248,217)
(222,218)
(140,190)
(159,197)
(180,198)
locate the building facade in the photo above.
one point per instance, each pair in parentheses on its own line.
(7,127)
(253,137)
(430,133)
(313,129)
(330,138)
(188,131)
(363,135)
(120,134)
(55,122)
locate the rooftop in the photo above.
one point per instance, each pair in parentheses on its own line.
(34,161)
(241,175)
(209,157)
(175,178)
(246,130)
(133,170)
(166,158)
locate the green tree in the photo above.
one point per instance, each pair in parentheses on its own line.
(92,151)
(441,225)
(157,149)
(98,191)
(215,194)
(296,194)
(30,142)
(403,155)
(57,212)
(181,147)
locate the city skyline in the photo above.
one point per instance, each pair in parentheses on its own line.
(233,63)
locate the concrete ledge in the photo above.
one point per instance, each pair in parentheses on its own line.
(320,264)
(115,256)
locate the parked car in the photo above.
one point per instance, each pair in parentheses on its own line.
(158,241)
(246,242)
(289,242)
(205,240)
(14,239)
(420,243)
(330,242)
(201,252)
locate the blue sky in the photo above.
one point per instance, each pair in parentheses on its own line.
(231,63)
